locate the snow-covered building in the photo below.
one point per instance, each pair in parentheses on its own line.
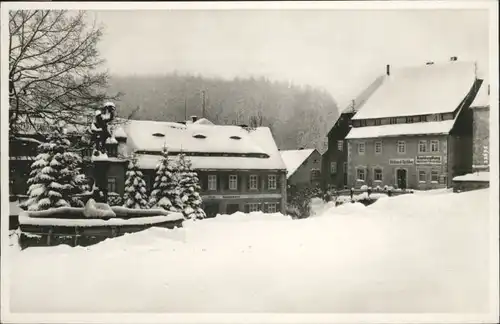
(334,160)
(240,168)
(415,131)
(303,167)
(481,129)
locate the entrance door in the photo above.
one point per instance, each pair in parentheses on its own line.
(401,178)
(232,208)
(211,209)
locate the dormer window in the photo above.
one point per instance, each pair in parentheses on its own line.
(199,136)
(158,135)
(235,137)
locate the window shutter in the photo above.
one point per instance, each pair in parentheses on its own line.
(247,208)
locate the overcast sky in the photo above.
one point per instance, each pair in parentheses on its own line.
(341,51)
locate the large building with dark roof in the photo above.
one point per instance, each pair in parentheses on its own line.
(481,129)
(415,131)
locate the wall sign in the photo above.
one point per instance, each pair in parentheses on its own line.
(401,161)
(429,159)
(256,196)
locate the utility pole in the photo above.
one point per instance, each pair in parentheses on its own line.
(203,103)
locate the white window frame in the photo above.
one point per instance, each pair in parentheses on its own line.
(272,182)
(274,207)
(361,144)
(420,146)
(333,167)
(340,145)
(253,182)
(212,182)
(403,145)
(425,176)
(233,182)
(364,174)
(436,173)
(436,143)
(375,147)
(381,174)
(253,207)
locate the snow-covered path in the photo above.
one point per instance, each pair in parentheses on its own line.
(414,253)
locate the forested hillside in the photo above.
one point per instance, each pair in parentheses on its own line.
(299,116)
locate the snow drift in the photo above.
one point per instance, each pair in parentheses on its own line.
(413,253)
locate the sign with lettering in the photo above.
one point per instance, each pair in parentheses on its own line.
(429,159)
(255,196)
(401,161)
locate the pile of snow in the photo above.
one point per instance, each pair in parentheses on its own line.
(476,176)
(411,254)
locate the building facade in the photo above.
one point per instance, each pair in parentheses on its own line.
(303,167)
(240,169)
(400,140)
(334,160)
(481,129)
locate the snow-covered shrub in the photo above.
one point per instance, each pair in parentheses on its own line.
(114,199)
(364,187)
(54,176)
(378,188)
(166,192)
(300,198)
(135,187)
(190,190)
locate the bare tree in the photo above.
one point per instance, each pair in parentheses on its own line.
(53,69)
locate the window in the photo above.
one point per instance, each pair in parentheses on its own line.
(378,122)
(393,120)
(253,207)
(409,120)
(360,174)
(434,176)
(315,174)
(422,146)
(400,120)
(271,181)
(333,167)
(253,182)
(111,184)
(370,122)
(434,146)
(340,145)
(233,182)
(417,119)
(378,147)
(401,147)
(422,176)
(377,174)
(212,182)
(361,148)
(271,208)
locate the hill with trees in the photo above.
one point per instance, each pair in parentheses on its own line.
(299,116)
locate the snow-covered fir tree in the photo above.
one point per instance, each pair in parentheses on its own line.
(190,190)
(135,187)
(52,174)
(166,191)
(72,175)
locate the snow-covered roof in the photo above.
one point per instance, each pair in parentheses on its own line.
(482,176)
(482,98)
(151,136)
(203,121)
(440,127)
(422,90)
(294,158)
(361,99)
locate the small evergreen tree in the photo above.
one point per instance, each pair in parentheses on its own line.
(166,193)
(190,190)
(135,187)
(77,182)
(49,184)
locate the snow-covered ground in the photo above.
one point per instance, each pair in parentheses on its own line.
(412,253)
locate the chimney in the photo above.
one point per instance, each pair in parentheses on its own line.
(453,58)
(429,63)
(194,118)
(388,69)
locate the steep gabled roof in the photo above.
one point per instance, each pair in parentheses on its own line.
(294,158)
(421,90)
(482,97)
(361,99)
